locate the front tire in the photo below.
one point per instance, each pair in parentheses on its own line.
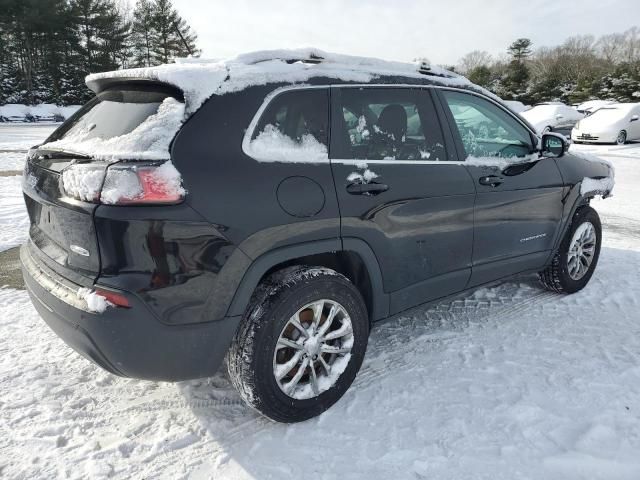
(300,344)
(621,139)
(576,259)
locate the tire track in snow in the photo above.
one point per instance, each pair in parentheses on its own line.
(474,311)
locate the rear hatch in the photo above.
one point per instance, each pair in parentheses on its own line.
(62,232)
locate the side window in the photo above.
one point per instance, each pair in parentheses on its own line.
(387,124)
(293,128)
(485,129)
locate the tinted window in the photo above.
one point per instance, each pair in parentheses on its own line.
(485,129)
(297,114)
(113,113)
(387,124)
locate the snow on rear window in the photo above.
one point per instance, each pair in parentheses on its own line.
(148,140)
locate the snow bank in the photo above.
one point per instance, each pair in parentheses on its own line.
(42,109)
(13,109)
(14,222)
(148,141)
(95,303)
(199,81)
(271,145)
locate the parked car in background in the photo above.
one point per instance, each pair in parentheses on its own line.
(45,118)
(617,123)
(590,106)
(552,117)
(516,106)
(13,118)
(14,113)
(44,112)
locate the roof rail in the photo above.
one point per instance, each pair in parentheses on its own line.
(312,58)
(422,65)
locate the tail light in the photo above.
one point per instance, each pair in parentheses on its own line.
(114,298)
(124,183)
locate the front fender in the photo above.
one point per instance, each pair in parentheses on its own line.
(574,168)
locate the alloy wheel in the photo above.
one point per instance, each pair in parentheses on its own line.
(581,250)
(313,349)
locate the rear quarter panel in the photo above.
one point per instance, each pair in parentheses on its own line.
(237,193)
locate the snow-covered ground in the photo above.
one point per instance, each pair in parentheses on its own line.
(19,137)
(507,382)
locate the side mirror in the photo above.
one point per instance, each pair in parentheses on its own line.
(634,118)
(554,145)
(559,116)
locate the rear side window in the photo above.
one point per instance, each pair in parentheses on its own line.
(293,128)
(387,124)
(485,129)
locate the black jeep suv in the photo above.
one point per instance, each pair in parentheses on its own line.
(290,207)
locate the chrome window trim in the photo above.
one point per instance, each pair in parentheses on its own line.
(348,161)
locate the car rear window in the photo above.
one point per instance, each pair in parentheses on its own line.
(113,113)
(123,123)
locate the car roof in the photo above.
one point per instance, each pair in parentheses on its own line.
(200,79)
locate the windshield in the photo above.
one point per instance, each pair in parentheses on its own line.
(136,123)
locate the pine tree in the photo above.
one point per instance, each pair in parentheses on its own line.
(520,49)
(171,36)
(517,76)
(142,33)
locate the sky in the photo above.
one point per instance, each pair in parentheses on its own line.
(440,30)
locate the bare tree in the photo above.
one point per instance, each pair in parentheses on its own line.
(473,60)
(611,47)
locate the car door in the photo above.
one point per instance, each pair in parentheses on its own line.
(399,191)
(518,203)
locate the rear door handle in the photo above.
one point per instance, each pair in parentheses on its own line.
(366,188)
(491,180)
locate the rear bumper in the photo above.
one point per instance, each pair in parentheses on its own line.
(128,342)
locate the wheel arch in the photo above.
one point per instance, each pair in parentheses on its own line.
(352,257)
(579,202)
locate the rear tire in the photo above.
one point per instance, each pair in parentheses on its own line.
(621,139)
(261,359)
(576,259)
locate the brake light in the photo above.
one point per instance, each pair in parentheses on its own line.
(124,183)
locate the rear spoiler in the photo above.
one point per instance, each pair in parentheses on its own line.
(132,83)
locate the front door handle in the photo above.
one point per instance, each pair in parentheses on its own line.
(366,188)
(491,180)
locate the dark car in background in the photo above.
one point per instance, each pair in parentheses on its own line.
(310,211)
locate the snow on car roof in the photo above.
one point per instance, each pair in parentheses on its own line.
(200,80)
(626,107)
